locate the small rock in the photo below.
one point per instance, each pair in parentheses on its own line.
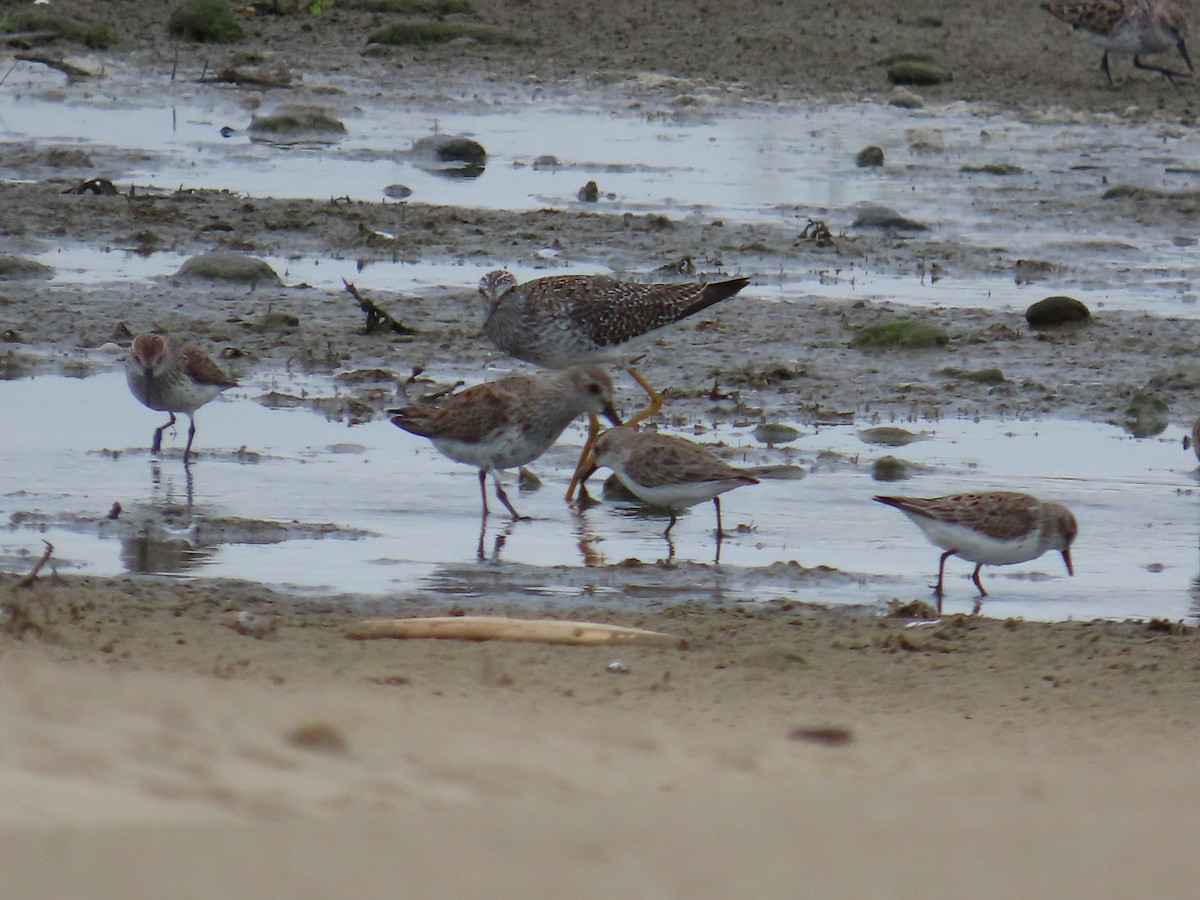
(874,215)
(616,667)
(889,468)
(1052,312)
(902,98)
(918,73)
(1146,415)
(455,155)
(227,265)
(775,433)
(296,122)
(589,193)
(319,736)
(869,156)
(888,436)
(251,624)
(546,162)
(18,268)
(397,191)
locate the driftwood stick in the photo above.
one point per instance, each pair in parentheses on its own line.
(377,319)
(73,73)
(500,628)
(29,579)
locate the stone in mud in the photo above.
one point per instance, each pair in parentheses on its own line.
(455,155)
(67,158)
(589,193)
(869,156)
(917,73)
(875,215)
(1052,312)
(904,333)
(397,191)
(451,148)
(297,119)
(204,22)
(423,32)
(902,98)
(775,433)
(18,268)
(889,468)
(226,265)
(888,436)
(1146,414)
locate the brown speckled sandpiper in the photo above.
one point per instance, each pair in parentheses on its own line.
(509,422)
(993,528)
(169,375)
(1127,26)
(569,320)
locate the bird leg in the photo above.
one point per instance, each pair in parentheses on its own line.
(483,491)
(937,590)
(656,400)
(978,583)
(504,499)
(667,533)
(156,445)
(1104,68)
(720,530)
(1169,74)
(187,451)
(580,475)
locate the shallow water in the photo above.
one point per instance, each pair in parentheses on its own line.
(287,498)
(755,163)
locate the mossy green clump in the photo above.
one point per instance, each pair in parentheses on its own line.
(18,268)
(888,436)
(980,376)
(225,265)
(297,118)
(1052,312)
(993,169)
(907,333)
(426,32)
(775,433)
(889,468)
(917,73)
(204,22)
(77,31)
(1146,415)
(436,8)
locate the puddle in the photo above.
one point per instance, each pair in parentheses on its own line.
(757,164)
(287,498)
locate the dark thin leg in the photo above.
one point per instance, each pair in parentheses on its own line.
(720,530)
(187,451)
(937,590)
(580,475)
(667,533)
(656,400)
(504,499)
(1169,74)
(978,583)
(1104,68)
(156,444)
(483,494)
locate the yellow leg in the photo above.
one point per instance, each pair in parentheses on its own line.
(578,478)
(656,400)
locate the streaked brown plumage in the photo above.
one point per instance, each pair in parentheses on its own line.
(1127,26)
(569,320)
(509,422)
(990,528)
(166,374)
(668,471)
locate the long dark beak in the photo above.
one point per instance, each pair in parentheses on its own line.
(1183,52)
(611,415)
(1067,559)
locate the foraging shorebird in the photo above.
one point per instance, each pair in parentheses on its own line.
(1127,26)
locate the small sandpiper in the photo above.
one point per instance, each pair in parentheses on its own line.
(993,528)
(509,422)
(169,375)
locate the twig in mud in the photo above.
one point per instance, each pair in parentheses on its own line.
(377,319)
(29,579)
(73,73)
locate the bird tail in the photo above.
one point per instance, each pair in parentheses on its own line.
(714,293)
